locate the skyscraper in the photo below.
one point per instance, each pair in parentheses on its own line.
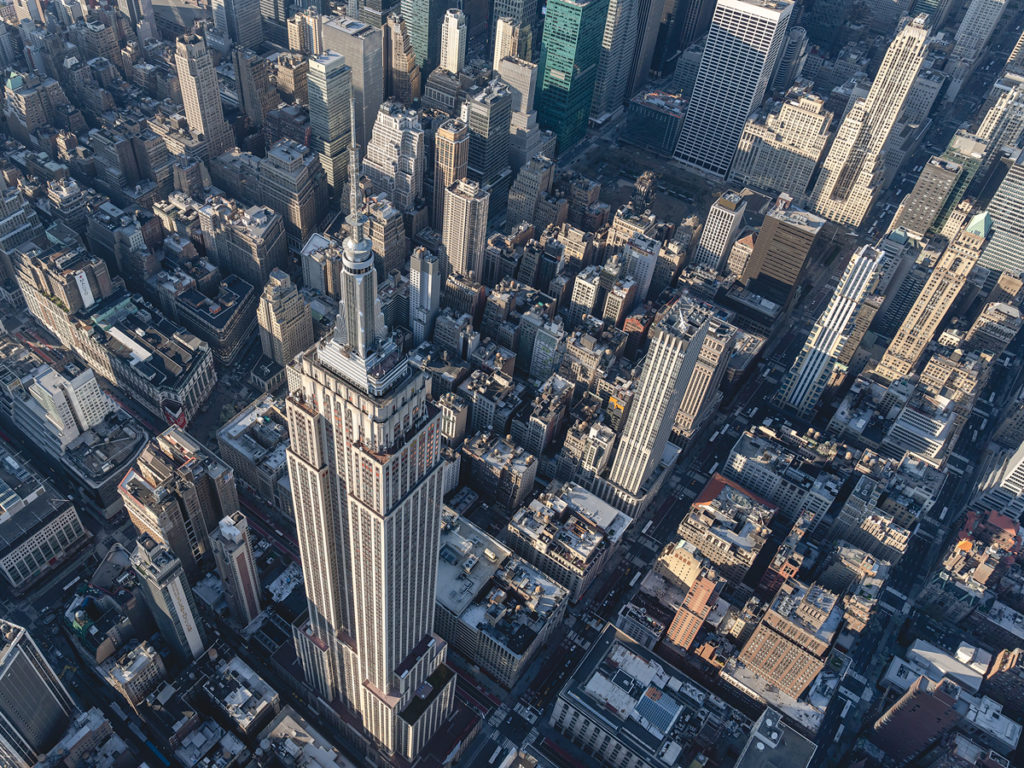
(453,41)
(675,348)
(487,113)
(285,319)
(720,228)
(361,45)
(424,293)
(201,95)
(522,14)
(240,20)
(256,96)
(570,51)
(330,99)
(507,36)
(176,492)
(920,208)
(617,46)
(465,227)
(1005,251)
(944,284)
(395,157)
(402,77)
(232,551)
(739,57)
(782,246)
(423,19)
(780,148)
(850,179)
(451,162)
(169,597)
(366,471)
(818,361)
(35,707)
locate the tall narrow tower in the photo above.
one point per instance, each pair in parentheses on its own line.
(330,94)
(675,349)
(453,41)
(850,179)
(818,361)
(201,95)
(366,473)
(451,162)
(944,284)
(744,42)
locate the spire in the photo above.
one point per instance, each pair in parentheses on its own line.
(355,195)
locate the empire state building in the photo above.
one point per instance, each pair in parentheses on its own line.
(365,468)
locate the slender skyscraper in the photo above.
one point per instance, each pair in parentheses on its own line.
(201,95)
(232,551)
(617,47)
(739,58)
(675,349)
(451,162)
(944,284)
(818,361)
(169,597)
(402,80)
(361,45)
(330,94)
(366,472)
(453,41)
(424,293)
(240,20)
(569,54)
(850,179)
(256,96)
(35,707)
(466,206)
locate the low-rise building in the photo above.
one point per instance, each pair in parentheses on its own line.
(493,607)
(244,697)
(728,525)
(254,443)
(630,709)
(39,528)
(499,469)
(568,534)
(135,674)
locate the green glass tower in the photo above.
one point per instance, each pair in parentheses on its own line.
(569,53)
(423,20)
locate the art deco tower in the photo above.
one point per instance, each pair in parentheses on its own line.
(201,95)
(365,467)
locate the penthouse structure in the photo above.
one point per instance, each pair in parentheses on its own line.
(39,528)
(568,534)
(493,607)
(729,525)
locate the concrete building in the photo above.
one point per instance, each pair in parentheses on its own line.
(744,43)
(384,667)
(852,175)
(39,528)
(947,279)
(402,76)
(493,607)
(169,597)
(35,707)
(254,444)
(568,534)
(248,242)
(676,343)
(789,645)
(285,319)
(240,20)
(395,159)
(781,146)
(781,249)
(834,331)
(729,525)
(329,88)
(716,238)
(464,232)
(919,209)
(1004,248)
(454,35)
(451,162)
(135,674)
(175,493)
(256,95)
(201,95)
(232,552)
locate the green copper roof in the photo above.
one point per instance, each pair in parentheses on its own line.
(980,225)
(15,81)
